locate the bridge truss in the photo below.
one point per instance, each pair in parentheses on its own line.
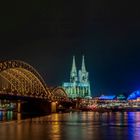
(20,79)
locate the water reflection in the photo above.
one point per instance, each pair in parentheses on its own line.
(6,115)
(78,125)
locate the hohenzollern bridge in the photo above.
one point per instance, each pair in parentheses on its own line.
(19,81)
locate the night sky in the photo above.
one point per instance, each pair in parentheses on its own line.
(46,34)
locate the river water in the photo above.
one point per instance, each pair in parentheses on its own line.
(71,126)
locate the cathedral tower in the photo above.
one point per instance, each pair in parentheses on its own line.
(73,74)
(83,74)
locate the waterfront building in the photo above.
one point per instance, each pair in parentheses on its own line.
(121,97)
(134,95)
(107,97)
(79,85)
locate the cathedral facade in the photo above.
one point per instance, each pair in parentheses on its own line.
(79,85)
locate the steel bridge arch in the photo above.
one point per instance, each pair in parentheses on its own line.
(14,71)
(58,93)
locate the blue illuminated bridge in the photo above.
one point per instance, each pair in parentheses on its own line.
(20,81)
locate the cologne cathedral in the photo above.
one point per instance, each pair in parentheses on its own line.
(79,85)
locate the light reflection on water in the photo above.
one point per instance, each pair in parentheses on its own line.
(6,115)
(9,116)
(72,126)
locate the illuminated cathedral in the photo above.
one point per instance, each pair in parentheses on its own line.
(79,85)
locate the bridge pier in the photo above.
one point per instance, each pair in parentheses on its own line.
(19,107)
(53,107)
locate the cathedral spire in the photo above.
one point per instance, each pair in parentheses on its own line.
(73,70)
(83,69)
(73,75)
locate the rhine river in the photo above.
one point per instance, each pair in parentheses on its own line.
(71,126)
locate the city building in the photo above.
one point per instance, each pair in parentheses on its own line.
(134,95)
(79,85)
(107,97)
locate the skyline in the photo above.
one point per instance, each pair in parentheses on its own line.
(108,92)
(46,35)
